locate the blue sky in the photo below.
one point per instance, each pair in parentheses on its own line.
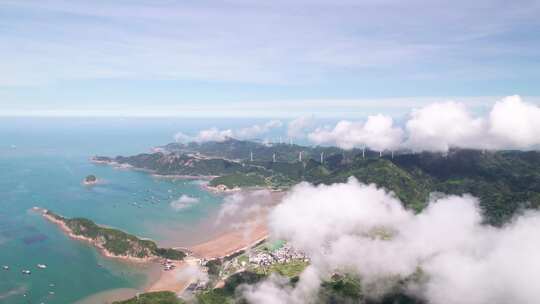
(254,58)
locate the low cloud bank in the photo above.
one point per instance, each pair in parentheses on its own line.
(510,123)
(257,130)
(378,133)
(215,134)
(244,205)
(364,230)
(298,127)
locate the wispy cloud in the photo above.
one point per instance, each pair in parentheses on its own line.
(218,135)
(278,42)
(292,109)
(275,59)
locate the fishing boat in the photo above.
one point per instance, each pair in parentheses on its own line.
(26,271)
(41,266)
(5,267)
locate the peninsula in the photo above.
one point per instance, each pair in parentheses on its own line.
(111,242)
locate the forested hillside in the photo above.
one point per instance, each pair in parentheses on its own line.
(505,181)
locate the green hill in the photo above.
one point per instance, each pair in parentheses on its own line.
(159,297)
(242,149)
(115,241)
(505,181)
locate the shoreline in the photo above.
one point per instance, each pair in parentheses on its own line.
(179,176)
(165,281)
(230,243)
(214,189)
(218,190)
(103,251)
(219,247)
(153,173)
(173,280)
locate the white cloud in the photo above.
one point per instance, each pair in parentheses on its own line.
(377,133)
(440,126)
(184,202)
(510,123)
(298,126)
(191,272)
(257,130)
(215,134)
(275,290)
(244,205)
(231,204)
(515,123)
(212,134)
(194,41)
(364,230)
(182,137)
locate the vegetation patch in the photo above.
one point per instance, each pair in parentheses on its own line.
(159,297)
(116,241)
(290,269)
(239,180)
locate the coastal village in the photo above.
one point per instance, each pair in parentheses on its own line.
(282,255)
(224,257)
(263,258)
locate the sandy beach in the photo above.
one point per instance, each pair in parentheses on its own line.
(170,280)
(231,242)
(219,247)
(175,280)
(241,232)
(243,222)
(109,296)
(237,231)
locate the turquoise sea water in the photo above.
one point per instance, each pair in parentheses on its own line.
(42,163)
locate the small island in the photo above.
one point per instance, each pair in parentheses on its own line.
(90,180)
(112,242)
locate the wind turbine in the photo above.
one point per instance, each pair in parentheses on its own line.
(300,156)
(274,157)
(251,155)
(322,157)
